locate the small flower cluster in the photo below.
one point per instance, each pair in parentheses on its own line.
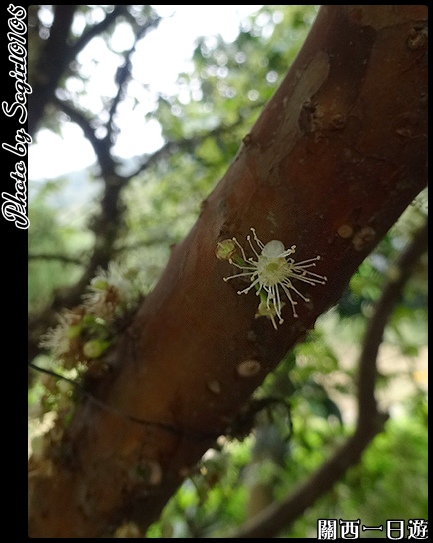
(271,271)
(85,332)
(112,292)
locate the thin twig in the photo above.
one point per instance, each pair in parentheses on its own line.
(101,147)
(95,30)
(191,435)
(185,144)
(59,258)
(124,73)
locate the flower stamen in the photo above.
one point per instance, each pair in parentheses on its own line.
(271,270)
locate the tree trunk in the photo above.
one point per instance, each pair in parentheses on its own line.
(336,156)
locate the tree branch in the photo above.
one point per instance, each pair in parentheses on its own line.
(59,258)
(101,147)
(184,144)
(105,224)
(80,119)
(278,517)
(51,65)
(95,30)
(401,272)
(124,73)
(56,56)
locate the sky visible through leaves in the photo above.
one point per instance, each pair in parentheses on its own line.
(50,156)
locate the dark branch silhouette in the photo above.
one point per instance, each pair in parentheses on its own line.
(52,64)
(96,30)
(124,73)
(65,259)
(56,56)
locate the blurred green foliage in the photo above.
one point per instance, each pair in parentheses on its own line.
(217,102)
(56,231)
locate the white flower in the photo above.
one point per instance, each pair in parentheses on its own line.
(57,339)
(274,270)
(110,292)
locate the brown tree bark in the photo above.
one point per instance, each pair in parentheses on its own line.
(334,159)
